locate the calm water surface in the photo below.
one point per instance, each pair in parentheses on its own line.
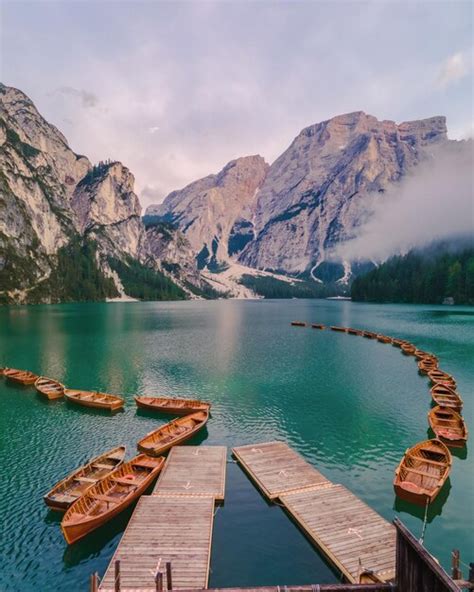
(349,405)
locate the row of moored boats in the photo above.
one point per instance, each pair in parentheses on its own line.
(425,467)
(105,485)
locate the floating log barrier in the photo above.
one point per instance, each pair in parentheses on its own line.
(422,472)
(49,388)
(448,426)
(24,377)
(444,396)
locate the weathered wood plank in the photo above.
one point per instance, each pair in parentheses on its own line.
(194,471)
(165,528)
(277,469)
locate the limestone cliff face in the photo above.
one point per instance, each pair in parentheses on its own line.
(209,210)
(50,195)
(289,216)
(322,187)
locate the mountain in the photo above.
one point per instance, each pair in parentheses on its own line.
(214,212)
(68,230)
(288,217)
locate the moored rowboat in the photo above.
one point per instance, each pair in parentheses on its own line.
(72,487)
(408,349)
(420,354)
(369,334)
(298,323)
(174,432)
(175,406)
(20,376)
(444,396)
(440,377)
(427,364)
(448,426)
(51,389)
(352,331)
(110,496)
(94,399)
(422,472)
(340,329)
(317,326)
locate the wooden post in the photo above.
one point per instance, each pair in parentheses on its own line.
(169,579)
(93,582)
(456,572)
(117,576)
(159,582)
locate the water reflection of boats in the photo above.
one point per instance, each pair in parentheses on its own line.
(434,509)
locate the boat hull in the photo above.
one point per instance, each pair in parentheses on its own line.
(19,377)
(170,409)
(94,404)
(50,393)
(158,449)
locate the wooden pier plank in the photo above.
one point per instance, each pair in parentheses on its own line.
(350,533)
(165,528)
(277,469)
(194,471)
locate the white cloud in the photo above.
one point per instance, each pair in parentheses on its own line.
(87,99)
(454,68)
(153,129)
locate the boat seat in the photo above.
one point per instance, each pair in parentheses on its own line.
(423,473)
(99,465)
(432,462)
(122,481)
(410,486)
(144,464)
(106,498)
(63,497)
(85,479)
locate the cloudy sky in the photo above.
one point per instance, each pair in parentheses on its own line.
(177,89)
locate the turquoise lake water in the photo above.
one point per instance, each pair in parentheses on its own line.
(349,405)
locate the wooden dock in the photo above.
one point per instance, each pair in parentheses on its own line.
(194,471)
(351,535)
(173,525)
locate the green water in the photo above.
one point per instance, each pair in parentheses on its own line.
(349,405)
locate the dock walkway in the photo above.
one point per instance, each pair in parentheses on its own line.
(352,536)
(174,524)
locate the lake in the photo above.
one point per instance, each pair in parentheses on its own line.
(349,405)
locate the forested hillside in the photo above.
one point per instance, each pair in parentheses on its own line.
(420,277)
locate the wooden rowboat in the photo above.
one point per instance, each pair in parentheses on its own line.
(20,376)
(408,349)
(448,426)
(444,396)
(94,399)
(422,472)
(369,334)
(72,487)
(317,326)
(174,406)
(51,389)
(340,329)
(427,364)
(354,331)
(384,338)
(298,323)
(420,354)
(440,377)
(110,496)
(174,432)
